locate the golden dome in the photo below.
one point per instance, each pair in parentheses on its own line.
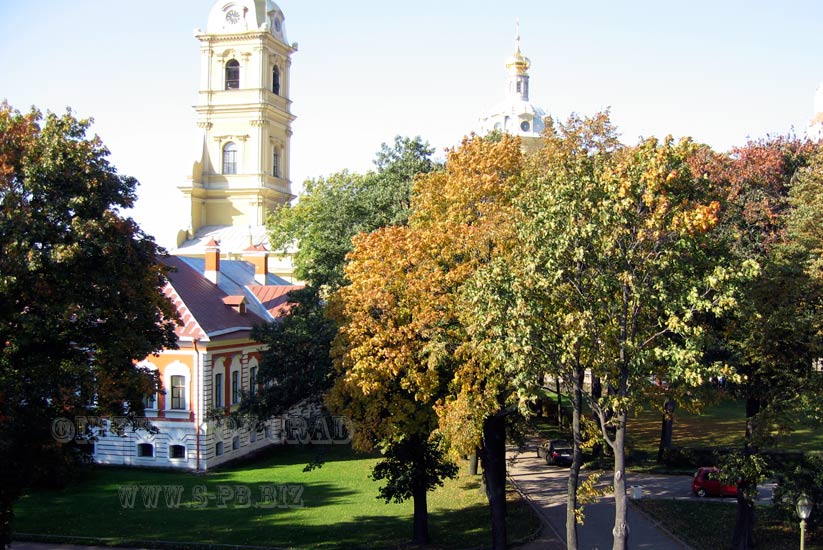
(518,63)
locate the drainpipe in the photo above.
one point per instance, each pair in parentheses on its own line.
(199,398)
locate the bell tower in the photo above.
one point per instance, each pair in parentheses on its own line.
(243,117)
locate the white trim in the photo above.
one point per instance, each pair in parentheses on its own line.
(227,331)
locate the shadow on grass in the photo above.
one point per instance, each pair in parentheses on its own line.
(268,502)
(447,529)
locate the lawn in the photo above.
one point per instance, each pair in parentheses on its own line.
(721,424)
(705,525)
(330,507)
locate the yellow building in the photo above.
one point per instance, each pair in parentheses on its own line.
(244,119)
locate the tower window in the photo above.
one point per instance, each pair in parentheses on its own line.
(519,87)
(275,80)
(275,166)
(230,158)
(232,75)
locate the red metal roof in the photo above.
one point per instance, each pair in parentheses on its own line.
(201,305)
(274,297)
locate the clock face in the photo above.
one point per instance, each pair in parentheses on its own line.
(524,126)
(233,16)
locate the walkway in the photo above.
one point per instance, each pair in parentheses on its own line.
(545,487)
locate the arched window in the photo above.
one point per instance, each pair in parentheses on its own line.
(232,75)
(235,387)
(178,392)
(176,378)
(230,158)
(145,450)
(275,80)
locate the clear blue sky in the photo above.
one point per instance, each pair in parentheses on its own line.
(369,70)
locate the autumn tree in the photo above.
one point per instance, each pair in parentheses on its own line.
(404,365)
(773,337)
(81,288)
(383,384)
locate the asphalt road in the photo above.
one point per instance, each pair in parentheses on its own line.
(545,487)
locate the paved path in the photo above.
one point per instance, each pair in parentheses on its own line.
(545,486)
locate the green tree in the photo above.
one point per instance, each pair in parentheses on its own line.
(522,316)
(618,264)
(329,214)
(81,293)
(332,210)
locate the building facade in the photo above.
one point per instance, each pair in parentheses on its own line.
(219,303)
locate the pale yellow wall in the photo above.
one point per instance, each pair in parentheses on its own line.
(257,120)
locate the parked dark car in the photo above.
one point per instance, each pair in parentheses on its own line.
(556,452)
(707,482)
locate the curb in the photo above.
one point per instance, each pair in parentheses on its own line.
(545,522)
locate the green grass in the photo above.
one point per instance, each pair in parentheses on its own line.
(722,424)
(710,525)
(339,508)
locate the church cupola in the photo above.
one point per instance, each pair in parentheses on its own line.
(515,114)
(517,84)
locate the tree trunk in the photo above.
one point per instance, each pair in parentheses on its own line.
(494,475)
(597,393)
(473,464)
(559,403)
(621,525)
(6,520)
(577,459)
(421,515)
(667,427)
(743,538)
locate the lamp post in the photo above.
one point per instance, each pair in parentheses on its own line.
(804,509)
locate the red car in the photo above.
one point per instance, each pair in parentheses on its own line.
(706,482)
